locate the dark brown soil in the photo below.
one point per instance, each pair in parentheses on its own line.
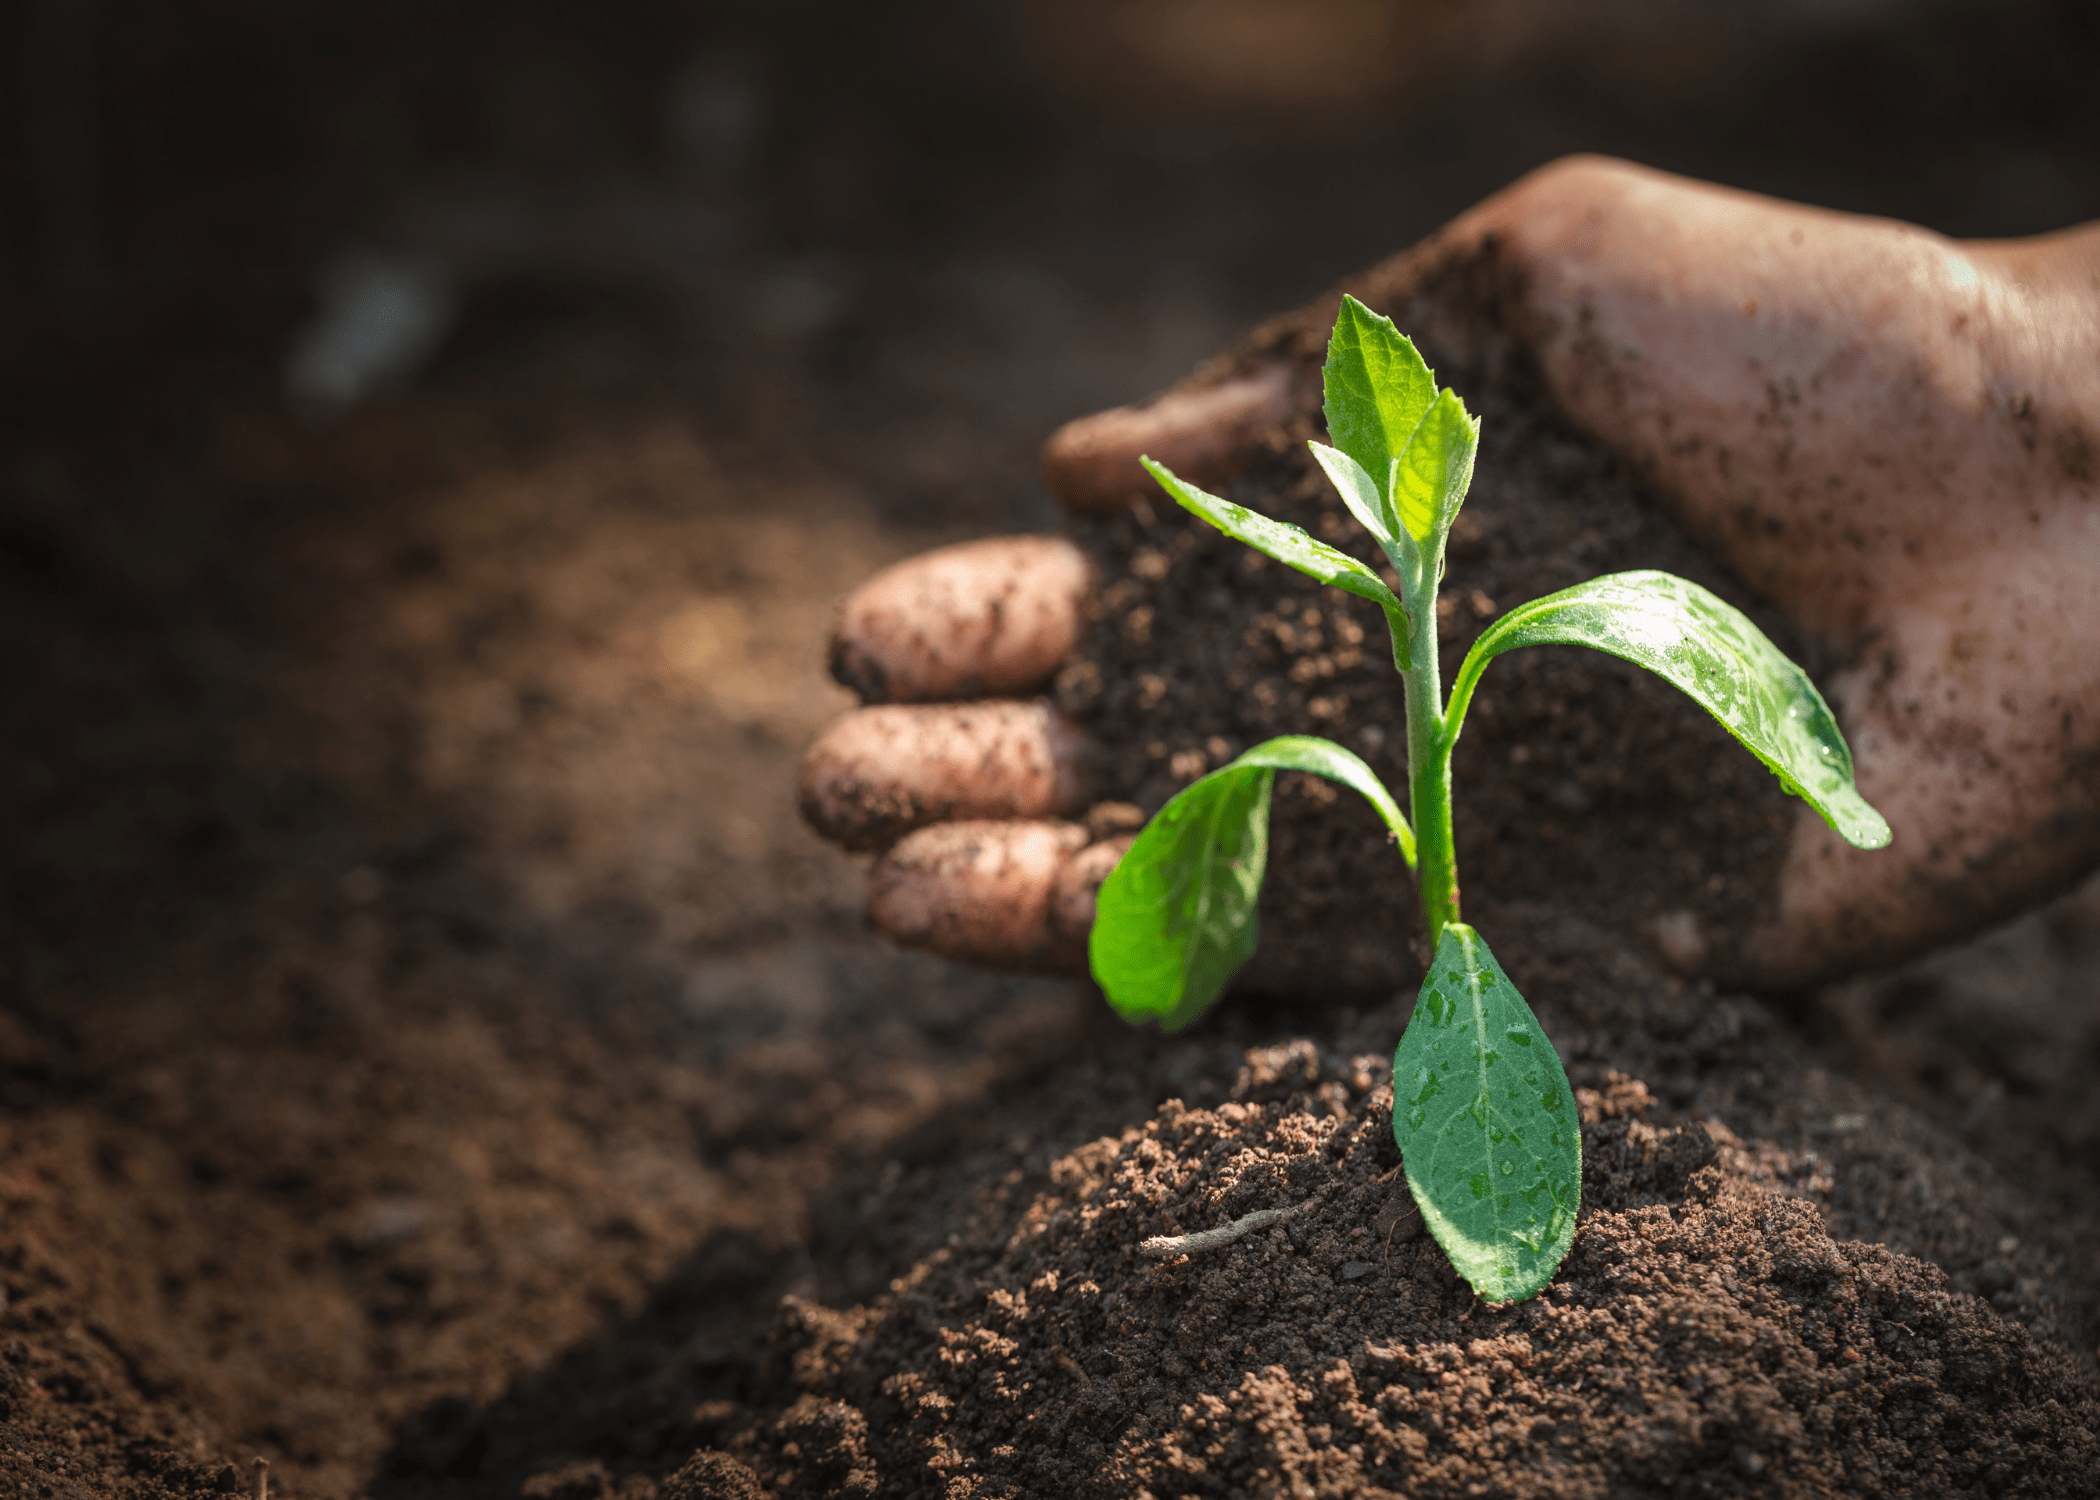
(433,1056)
(1717,1328)
(433,1049)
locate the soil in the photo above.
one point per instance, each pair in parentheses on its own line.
(416,973)
(1721,1327)
(433,1049)
(435,1059)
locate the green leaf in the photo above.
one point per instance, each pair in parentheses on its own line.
(1377,388)
(1176,918)
(1681,632)
(1287,544)
(1487,1125)
(1361,493)
(1432,473)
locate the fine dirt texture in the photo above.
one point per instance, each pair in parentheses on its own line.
(435,1057)
(433,1050)
(413,962)
(1722,1325)
(1580,779)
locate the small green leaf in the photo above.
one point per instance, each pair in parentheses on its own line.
(1287,544)
(1366,501)
(1681,632)
(1487,1125)
(1432,473)
(1176,918)
(1377,388)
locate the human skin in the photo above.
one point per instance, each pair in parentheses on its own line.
(1894,437)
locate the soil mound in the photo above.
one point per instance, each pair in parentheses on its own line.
(1714,1331)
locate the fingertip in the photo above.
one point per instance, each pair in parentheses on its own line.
(978,891)
(878,773)
(1201,433)
(985,617)
(1077,885)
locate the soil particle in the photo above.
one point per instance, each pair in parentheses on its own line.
(712,1475)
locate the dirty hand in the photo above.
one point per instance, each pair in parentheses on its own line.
(1893,437)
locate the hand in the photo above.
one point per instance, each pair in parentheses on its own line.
(1893,437)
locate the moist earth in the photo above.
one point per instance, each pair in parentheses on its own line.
(1722,1326)
(434,1059)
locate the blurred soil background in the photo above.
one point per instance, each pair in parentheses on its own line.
(435,438)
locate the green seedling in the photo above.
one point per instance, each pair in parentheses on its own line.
(1482,1109)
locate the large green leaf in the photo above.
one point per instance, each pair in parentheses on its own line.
(1681,632)
(1176,918)
(1377,388)
(1287,544)
(1486,1124)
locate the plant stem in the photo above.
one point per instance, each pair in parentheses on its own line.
(1428,762)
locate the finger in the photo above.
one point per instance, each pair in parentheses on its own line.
(1201,434)
(878,773)
(2043,261)
(1077,884)
(978,891)
(986,617)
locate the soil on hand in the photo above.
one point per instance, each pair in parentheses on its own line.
(1580,779)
